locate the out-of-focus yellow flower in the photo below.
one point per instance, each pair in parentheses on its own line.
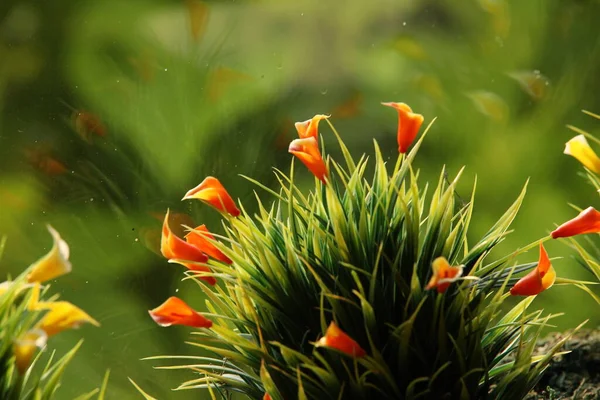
(61,316)
(579,148)
(53,264)
(24,348)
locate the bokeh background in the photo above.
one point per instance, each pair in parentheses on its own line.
(111,110)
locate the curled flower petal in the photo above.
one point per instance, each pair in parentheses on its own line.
(25,347)
(307,150)
(198,268)
(175,311)
(173,247)
(61,316)
(53,264)
(409,124)
(211,191)
(310,127)
(579,148)
(337,339)
(588,221)
(203,239)
(443,274)
(538,280)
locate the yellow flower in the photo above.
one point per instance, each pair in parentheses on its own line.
(24,348)
(61,316)
(53,264)
(579,148)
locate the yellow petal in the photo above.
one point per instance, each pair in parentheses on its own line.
(24,348)
(53,264)
(579,148)
(61,316)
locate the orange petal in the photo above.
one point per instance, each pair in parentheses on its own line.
(337,339)
(538,280)
(173,247)
(409,124)
(175,311)
(203,239)
(212,192)
(267,396)
(198,15)
(307,150)
(588,221)
(87,124)
(443,275)
(310,127)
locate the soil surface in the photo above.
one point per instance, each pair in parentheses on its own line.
(573,376)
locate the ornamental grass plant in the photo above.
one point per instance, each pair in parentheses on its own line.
(367,286)
(29,317)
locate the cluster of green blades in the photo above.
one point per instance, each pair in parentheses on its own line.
(358,250)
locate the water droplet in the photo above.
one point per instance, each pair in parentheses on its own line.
(404,23)
(324,91)
(177,290)
(165,69)
(302,14)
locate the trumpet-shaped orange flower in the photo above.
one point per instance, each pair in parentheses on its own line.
(579,148)
(443,275)
(310,127)
(173,247)
(538,280)
(212,192)
(25,347)
(307,150)
(198,268)
(588,221)
(203,239)
(337,339)
(175,311)
(409,124)
(53,264)
(61,316)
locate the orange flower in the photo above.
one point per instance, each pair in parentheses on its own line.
(408,125)
(588,221)
(307,150)
(175,311)
(310,127)
(212,192)
(201,238)
(337,339)
(443,274)
(267,396)
(538,280)
(87,124)
(173,247)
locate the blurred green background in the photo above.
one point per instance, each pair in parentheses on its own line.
(111,110)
